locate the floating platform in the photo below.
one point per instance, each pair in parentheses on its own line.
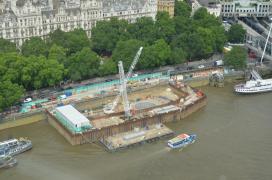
(137,136)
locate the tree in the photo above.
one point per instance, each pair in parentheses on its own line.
(9,94)
(76,41)
(204,19)
(183,25)
(178,56)
(35,46)
(236,34)
(125,51)
(58,53)
(108,67)
(236,58)
(50,74)
(83,64)
(156,55)
(72,41)
(207,41)
(220,38)
(7,46)
(57,37)
(165,26)
(106,34)
(182,9)
(10,68)
(143,29)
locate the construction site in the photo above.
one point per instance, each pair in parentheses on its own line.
(130,112)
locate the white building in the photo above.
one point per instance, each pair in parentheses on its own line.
(22,19)
(215,9)
(246,8)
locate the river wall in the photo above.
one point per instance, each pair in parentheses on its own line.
(23,119)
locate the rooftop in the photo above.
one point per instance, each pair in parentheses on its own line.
(72,114)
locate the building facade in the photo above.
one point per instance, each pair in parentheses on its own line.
(167,5)
(22,19)
(215,9)
(246,8)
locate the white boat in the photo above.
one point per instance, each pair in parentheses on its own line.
(255,85)
(181,141)
(13,147)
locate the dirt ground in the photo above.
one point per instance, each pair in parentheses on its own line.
(98,104)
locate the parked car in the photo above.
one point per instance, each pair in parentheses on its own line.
(63,96)
(201,66)
(190,68)
(27,100)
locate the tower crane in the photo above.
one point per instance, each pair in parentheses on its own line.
(108,109)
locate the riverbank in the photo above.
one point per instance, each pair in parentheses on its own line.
(199,82)
(23,120)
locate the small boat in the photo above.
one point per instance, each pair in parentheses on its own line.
(181,141)
(7,162)
(13,147)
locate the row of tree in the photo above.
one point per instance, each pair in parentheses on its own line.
(72,55)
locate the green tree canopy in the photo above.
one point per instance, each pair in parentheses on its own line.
(108,67)
(183,24)
(9,94)
(76,41)
(58,53)
(143,29)
(83,64)
(220,38)
(182,9)
(35,46)
(106,34)
(155,55)
(72,41)
(50,74)
(236,34)
(178,56)
(125,51)
(165,26)
(203,18)
(236,58)
(7,46)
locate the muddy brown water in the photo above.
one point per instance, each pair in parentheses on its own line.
(234,142)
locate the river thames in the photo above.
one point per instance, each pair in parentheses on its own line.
(234,142)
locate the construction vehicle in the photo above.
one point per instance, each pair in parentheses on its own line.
(109,108)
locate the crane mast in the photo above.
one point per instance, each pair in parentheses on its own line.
(123,84)
(123,89)
(268,36)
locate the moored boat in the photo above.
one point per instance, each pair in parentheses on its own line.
(181,141)
(256,84)
(7,161)
(13,147)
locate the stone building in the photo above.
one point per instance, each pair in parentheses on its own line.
(22,19)
(246,8)
(167,5)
